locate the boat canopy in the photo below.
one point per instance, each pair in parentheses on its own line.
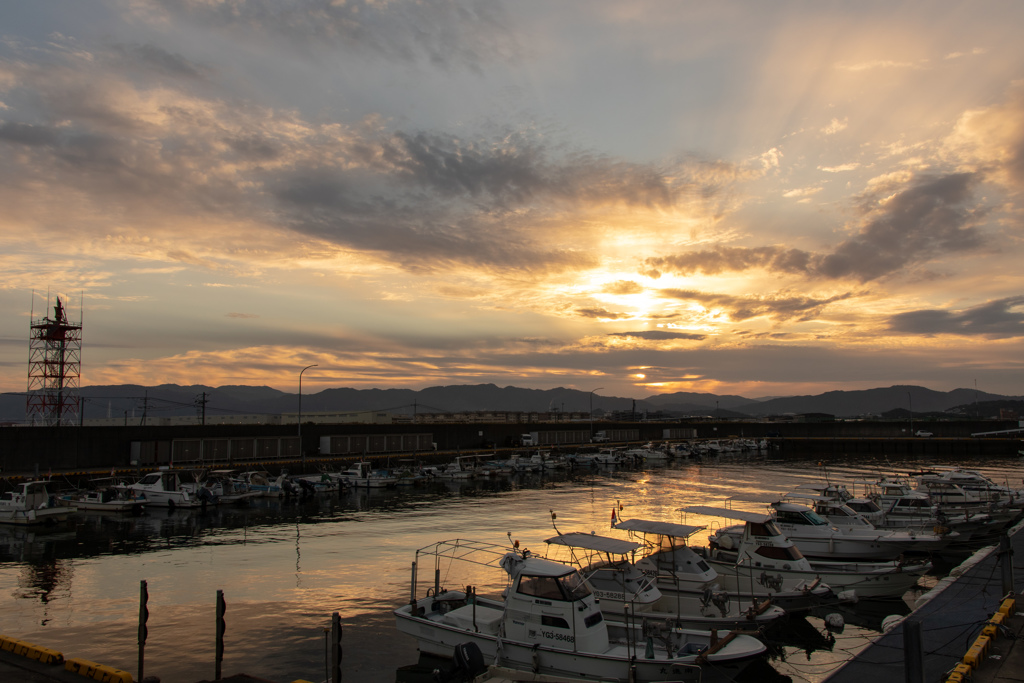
(755,517)
(646,526)
(767,498)
(538,566)
(601,544)
(810,496)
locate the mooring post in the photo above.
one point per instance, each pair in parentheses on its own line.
(221,627)
(913,654)
(143,631)
(335,648)
(1006,560)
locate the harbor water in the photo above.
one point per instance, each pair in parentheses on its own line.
(286,565)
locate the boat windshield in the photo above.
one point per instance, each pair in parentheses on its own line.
(790,552)
(574,587)
(567,587)
(807,518)
(766,528)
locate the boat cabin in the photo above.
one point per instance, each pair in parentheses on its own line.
(550,602)
(758,542)
(29,495)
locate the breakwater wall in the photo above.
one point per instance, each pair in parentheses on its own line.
(41,449)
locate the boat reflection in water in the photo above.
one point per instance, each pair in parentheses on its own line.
(286,564)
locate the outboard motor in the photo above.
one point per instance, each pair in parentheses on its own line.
(307,486)
(469,663)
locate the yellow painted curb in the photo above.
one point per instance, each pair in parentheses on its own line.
(24,649)
(97,672)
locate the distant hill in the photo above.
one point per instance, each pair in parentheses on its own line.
(870,402)
(131,401)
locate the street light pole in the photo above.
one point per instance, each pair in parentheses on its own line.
(302,452)
(592,413)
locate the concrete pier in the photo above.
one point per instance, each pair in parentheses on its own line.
(950,622)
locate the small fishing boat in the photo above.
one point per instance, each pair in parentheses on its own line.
(361,474)
(548,622)
(103,495)
(685,571)
(221,487)
(261,481)
(32,502)
(606,564)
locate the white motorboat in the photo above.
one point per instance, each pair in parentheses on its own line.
(817,538)
(163,489)
(758,552)
(682,571)
(978,486)
(548,622)
(32,502)
(606,563)
(894,505)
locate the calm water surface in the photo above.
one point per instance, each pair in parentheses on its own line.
(285,566)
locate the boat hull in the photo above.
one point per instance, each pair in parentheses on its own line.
(440,639)
(32,517)
(880,580)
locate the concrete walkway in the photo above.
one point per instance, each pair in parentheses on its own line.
(950,622)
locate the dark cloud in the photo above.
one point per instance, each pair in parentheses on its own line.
(155,60)
(451,168)
(600,313)
(254,147)
(924,220)
(431,199)
(517,171)
(452,32)
(1001,318)
(783,307)
(658,335)
(622,287)
(27,134)
(723,259)
(928,218)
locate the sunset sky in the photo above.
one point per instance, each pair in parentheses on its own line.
(731,197)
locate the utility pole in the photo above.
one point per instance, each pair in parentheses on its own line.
(201,402)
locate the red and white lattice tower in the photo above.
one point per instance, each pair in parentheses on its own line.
(54,369)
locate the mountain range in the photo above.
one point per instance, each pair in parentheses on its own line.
(171,399)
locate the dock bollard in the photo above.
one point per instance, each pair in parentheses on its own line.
(335,648)
(143,631)
(913,655)
(221,627)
